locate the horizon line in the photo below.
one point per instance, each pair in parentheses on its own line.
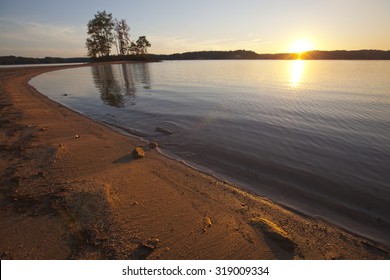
(236,50)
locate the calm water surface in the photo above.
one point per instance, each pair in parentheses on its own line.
(312,135)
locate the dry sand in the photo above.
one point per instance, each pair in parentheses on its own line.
(85,197)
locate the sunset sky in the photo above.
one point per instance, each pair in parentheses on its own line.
(58,28)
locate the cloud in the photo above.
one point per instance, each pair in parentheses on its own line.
(34,38)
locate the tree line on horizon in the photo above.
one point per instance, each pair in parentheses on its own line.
(207,55)
(105,32)
(309,55)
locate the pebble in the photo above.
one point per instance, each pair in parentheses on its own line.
(138,152)
(153,145)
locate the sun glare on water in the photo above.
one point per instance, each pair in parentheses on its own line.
(296,72)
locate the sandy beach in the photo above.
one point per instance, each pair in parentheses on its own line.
(71,189)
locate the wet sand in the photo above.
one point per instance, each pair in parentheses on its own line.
(71,189)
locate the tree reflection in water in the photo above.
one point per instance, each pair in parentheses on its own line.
(118,83)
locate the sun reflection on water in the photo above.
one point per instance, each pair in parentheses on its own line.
(296,72)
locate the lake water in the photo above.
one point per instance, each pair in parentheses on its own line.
(311,135)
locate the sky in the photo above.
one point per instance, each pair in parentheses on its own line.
(39,28)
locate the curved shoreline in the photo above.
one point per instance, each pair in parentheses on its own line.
(88,198)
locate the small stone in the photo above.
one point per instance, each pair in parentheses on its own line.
(207,223)
(138,152)
(98,242)
(153,145)
(273,231)
(163,130)
(151,243)
(77,136)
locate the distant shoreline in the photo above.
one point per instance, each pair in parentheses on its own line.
(209,55)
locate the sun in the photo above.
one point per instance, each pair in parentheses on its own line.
(301,46)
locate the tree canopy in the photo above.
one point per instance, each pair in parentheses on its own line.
(104,32)
(123,37)
(100,31)
(142,45)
